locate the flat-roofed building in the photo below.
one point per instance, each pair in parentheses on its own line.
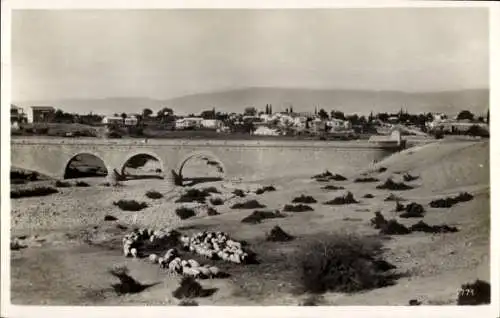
(43,114)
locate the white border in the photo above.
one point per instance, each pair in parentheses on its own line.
(8,310)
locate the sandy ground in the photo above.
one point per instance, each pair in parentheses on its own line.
(70,247)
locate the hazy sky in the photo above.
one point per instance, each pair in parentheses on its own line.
(168,53)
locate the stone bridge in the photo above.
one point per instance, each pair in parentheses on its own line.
(239,159)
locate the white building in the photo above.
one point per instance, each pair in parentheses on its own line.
(266,131)
(110,120)
(189,122)
(338,124)
(211,123)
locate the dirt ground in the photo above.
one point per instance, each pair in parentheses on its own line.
(70,247)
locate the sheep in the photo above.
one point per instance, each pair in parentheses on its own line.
(184,263)
(205,271)
(133,251)
(191,272)
(193,263)
(153,258)
(214,271)
(175,266)
(126,250)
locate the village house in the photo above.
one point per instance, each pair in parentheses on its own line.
(188,123)
(43,114)
(17,116)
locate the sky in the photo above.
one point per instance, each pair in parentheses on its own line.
(163,54)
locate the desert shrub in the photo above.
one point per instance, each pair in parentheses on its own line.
(477,131)
(258,216)
(82,184)
(62,184)
(130,205)
(216,201)
(127,285)
(188,288)
(32,192)
(15,245)
(188,302)
(343,263)
(393,227)
(424,227)
(382,169)
(194,195)
(177,178)
(240,193)
(154,195)
(211,190)
(414,302)
(378,221)
(347,199)
(304,199)
(408,177)
(476,293)
(278,235)
(265,189)
(389,184)
(332,187)
(312,300)
(393,197)
(368,196)
(448,202)
(327,175)
(108,217)
(211,211)
(184,213)
(399,207)
(297,208)
(413,210)
(250,204)
(365,180)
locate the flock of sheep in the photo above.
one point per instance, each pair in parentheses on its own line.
(212,245)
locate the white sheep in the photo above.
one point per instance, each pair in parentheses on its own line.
(174,267)
(126,250)
(214,271)
(193,263)
(184,263)
(133,251)
(153,258)
(191,271)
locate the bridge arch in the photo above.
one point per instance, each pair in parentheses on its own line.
(142,155)
(208,157)
(70,172)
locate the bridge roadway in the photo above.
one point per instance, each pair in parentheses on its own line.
(239,159)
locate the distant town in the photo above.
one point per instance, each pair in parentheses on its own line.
(48,120)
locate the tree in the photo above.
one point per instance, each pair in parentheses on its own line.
(267,109)
(146,112)
(383,116)
(250,111)
(322,114)
(124,115)
(465,114)
(208,114)
(291,109)
(488,117)
(270,109)
(337,115)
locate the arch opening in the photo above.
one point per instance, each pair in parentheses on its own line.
(85,165)
(142,166)
(201,167)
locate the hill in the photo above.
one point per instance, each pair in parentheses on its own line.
(348,101)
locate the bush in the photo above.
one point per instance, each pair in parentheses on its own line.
(82,184)
(343,263)
(127,285)
(297,208)
(365,180)
(424,227)
(193,195)
(382,169)
(451,201)
(188,302)
(413,210)
(393,197)
(211,211)
(368,196)
(304,199)
(408,177)
(216,201)
(240,193)
(211,190)
(378,221)
(389,184)
(265,189)
(184,213)
(188,288)
(332,187)
(278,235)
(399,207)
(62,184)
(477,131)
(130,205)
(477,293)
(258,216)
(393,227)
(109,218)
(154,195)
(327,175)
(250,204)
(32,192)
(347,199)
